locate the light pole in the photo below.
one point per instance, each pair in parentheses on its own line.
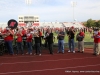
(28,2)
(73,5)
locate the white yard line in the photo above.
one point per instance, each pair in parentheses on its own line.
(49,69)
(46,61)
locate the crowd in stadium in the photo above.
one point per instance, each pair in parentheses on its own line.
(25,37)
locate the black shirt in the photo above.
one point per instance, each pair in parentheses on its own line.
(71,34)
(61,37)
(37,39)
(50,38)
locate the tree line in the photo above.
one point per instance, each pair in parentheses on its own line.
(92,23)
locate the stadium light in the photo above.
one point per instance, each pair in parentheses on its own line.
(73,5)
(56,21)
(28,2)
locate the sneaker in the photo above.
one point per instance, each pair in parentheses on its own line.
(27,53)
(58,52)
(22,54)
(30,53)
(97,54)
(78,51)
(82,51)
(73,51)
(34,53)
(68,50)
(62,52)
(39,54)
(52,53)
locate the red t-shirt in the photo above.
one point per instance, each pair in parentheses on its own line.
(19,38)
(81,34)
(23,32)
(9,37)
(99,37)
(40,33)
(95,40)
(29,37)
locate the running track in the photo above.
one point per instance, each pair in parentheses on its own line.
(57,64)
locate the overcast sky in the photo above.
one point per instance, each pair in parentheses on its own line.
(51,10)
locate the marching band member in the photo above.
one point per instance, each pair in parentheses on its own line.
(19,35)
(95,41)
(98,43)
(96,36)
(37,43)
(71,36)
(60,38)
(49,38)
(24,36)
(29,41)
(40,35)
(80,38)
(8,38)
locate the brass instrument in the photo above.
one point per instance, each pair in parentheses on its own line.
(5,34)
(35,34)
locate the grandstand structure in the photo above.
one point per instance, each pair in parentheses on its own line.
(61,24)
(51,24)
(34,21)
(27,20)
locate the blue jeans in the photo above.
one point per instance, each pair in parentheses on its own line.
(71,44)
(61,45)
(20,47)
(37,47)
(9,46)
(29,45)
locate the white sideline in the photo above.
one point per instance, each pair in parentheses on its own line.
(45,61)
(49,69)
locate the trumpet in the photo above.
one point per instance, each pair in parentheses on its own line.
(35,34)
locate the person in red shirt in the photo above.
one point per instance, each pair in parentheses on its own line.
(29,41)
(98,43)
(24,36)
(19,41)
(80,38)
(40,35)
(95,41)
(8,38)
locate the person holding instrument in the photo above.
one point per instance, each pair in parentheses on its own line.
(60,38)
(29,41)
(8,38)
(71,35)
(37,43)
(49,38)
(19,35)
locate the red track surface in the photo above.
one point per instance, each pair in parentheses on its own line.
(57,64)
